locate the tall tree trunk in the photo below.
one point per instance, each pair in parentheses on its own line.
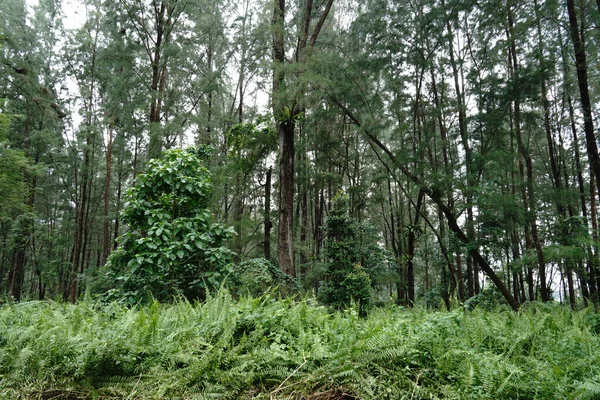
(455,275)
(80,216)
(556,180)
(524,153)
(106,239)
(594,219)
(158,78)
(82,209)
(578,38)
(304,225)
(286,198)
(285,114)
(118,199)
(267,240)
(285,131)
(582,79)
(17,273)
(410,270)
(462,126)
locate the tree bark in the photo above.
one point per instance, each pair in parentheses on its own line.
(556,180)
(157,80)
(524,153)
(582,79)
(106,240)
(267,240)
(285,117)
(462,126)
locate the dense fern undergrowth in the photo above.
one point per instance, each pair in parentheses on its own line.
(266,348)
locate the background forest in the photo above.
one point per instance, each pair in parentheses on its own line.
(433,151)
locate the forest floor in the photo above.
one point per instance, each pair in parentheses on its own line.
(265,348)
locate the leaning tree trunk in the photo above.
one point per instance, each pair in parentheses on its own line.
(436,196)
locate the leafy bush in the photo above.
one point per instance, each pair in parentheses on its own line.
(256,276)
(172,247)
(488,299)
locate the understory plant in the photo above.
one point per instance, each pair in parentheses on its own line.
(346,279)
(172,247)
(265,348)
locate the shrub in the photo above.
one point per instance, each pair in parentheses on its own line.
(347,279)
(172,247)
(256,276)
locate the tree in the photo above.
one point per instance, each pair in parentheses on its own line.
(172,247)
(582,80)
(287,109)
(347,279)
(248,147)
(27,90)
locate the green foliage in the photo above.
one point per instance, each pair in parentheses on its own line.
(347,279)
(20,234)
(285,116)
(572,238)
(488,299)
(248,144)
(172,247)
(13,165)
(263,348)
(257,276)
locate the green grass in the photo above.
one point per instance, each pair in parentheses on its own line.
(283,349)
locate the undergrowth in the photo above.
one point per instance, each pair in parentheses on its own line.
(264,348)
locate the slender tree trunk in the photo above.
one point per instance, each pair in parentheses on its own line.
(582,79)
(304,225)
(546,106)
(515,234)
(118,205)
(571,286)
(524,152)
(82,209)
(106,242)
(285,131)
(267,240)
(410,272)
(238,213)
(594,219)
(319,210)
(447,172)
(157,79)
(462,125)
(17,273)
(79,227)
(209,111)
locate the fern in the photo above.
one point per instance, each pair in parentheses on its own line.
(279,349)
(588,390)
